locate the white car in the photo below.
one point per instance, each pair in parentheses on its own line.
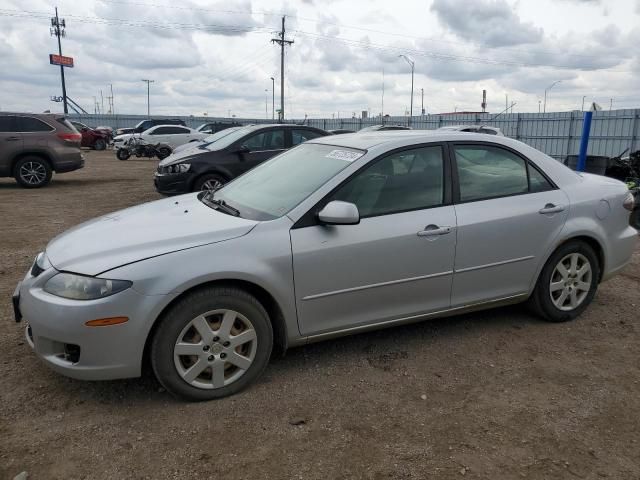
(173,135)
(473,129)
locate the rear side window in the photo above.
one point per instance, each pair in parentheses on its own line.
(8,123)
(171,131)
(488,172)
(301,135)
(31,124)
(537,181)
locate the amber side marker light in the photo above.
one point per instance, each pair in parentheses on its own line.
(105,322)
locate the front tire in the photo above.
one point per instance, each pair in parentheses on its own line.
(100,144)
(163,152)
(212,344)
(567,283)
(32,172)
(209,182)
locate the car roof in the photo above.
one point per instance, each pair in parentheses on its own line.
(401,138)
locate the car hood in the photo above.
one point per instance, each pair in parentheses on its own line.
(141,232)
(182,155)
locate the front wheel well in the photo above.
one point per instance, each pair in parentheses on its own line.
(263,296)
(209,172)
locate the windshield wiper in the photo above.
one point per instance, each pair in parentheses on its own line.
(219,204)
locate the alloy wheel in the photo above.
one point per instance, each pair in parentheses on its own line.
(215,349)
(33,173)
(211,185)
(571,281)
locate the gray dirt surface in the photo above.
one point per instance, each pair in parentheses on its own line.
(498,394)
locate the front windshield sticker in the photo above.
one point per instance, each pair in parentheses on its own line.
(346,155)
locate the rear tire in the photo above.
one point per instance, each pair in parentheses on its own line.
(211,344)
(209,181)
(123,154)
(100,144)
(163,152)
(32,172)
(567,283)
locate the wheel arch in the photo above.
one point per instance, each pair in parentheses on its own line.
(212,171)
(266,299)
(39,154)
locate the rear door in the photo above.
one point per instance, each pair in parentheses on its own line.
(509,215)
(11,142)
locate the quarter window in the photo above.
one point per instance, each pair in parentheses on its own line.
(403,181)
(488,172)
(299,136)
(30,124)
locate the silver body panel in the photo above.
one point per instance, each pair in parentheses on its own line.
(326,280)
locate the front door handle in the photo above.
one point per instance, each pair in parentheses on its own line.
(12,139)
(433,231)
(551,208)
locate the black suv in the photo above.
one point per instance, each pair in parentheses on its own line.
(152,122)
(33,146)
(212,164)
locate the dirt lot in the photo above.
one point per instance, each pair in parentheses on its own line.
(497,394)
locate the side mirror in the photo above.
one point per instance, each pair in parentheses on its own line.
(243,149)
(339,213)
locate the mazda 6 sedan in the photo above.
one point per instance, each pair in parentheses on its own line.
(339,235)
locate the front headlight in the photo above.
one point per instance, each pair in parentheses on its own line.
(177,168)
(79,287)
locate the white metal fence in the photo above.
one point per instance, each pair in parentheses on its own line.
(556,134)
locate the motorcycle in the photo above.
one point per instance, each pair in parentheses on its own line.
(141,148)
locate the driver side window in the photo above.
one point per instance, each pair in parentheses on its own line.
(403,181)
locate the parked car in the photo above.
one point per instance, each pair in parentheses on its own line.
(207,140)
(336,236)
(382,128)
(33,146)
(473,129)
(210,166)
(173,135)
(340,131)
(214,127)
(92,137)
(147,124)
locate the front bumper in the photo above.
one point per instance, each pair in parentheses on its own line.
(57,332)
(172,184)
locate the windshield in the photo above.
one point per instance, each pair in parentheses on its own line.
(234,136)
(275,187)
(218,135)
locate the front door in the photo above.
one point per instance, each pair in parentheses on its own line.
(396,263)
(509,215)
(261,146)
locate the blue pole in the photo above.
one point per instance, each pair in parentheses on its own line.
(584,141)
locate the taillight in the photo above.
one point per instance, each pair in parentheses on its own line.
(629,202)
(70,137)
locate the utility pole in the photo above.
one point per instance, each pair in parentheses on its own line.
(57,28)
(102,101)
(273,98)
(382,108)
(282,42)
(113,100)
(148,82)
(413,64)
(611,105)
(422,103)
(266,103)
(95,106)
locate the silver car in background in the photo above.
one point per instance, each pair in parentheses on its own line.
(339,235)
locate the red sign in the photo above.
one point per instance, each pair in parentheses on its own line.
(60,60)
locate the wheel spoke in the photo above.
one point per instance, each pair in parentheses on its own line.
(217,377)
(574,264)
(573,301)
(586,268)
(583,286)
(562,298)
(555,286)
(562,270)
(203,328)
(196,369)
(184,348)
(238,360)
(228,320)
(244,337)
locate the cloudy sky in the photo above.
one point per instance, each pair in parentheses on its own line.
(216,56)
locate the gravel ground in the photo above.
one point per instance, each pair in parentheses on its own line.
(496,394)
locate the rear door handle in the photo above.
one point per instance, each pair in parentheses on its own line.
(551,208)
(433,231)
(12,139)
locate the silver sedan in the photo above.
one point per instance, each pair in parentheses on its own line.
(339,235)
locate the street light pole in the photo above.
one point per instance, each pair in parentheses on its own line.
(148,82)
(273,98)
(583,97)
(544,109)
(413,64)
